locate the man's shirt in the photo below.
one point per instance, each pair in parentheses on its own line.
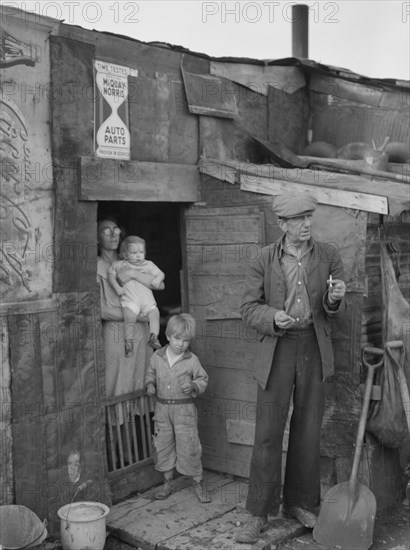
(294,270)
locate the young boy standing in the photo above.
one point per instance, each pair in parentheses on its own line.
(176,376)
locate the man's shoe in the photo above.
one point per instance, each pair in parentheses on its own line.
(305,517)
(252,529)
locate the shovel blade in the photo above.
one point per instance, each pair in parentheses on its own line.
(346,518)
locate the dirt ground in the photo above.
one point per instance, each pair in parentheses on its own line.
(391,532)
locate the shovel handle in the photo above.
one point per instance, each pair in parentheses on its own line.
(365,408)
(372,351)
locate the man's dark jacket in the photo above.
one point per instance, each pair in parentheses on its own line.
(264,295)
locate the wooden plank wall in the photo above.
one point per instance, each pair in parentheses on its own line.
(72,135)
(58,403)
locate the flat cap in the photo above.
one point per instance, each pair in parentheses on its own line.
(292,205)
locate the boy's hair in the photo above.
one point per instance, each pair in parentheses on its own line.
(182,325)
(128,240)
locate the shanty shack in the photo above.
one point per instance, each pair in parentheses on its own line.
(187,151)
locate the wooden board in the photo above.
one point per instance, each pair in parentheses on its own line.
(359,167)
(220,295)
(226,344)
(221,385)
(324,195)
(224,235)
(75,223)
(219,534)
(230,229)
(128,481)
(148,525)
(215,259)
(110,180)
(182,523)
(240,431)
(397,194)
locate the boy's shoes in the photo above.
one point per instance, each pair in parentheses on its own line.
(202,493)
(129,347)
(165,490)
(305,517)
(252,529)
(154,342)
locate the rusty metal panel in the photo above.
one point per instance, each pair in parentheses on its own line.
(225,139)
(343,89)
(288,115)
(259,78)
(208,95)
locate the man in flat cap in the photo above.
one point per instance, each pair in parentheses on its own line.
(292,289)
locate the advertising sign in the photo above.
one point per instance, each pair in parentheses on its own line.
(111,117)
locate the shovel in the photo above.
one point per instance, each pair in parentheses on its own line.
(347,514)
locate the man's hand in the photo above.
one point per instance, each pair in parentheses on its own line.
(283,320)
(151,389)
(337,289)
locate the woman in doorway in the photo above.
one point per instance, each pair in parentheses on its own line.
(123,374)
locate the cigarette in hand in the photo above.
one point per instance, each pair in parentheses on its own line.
(330,282)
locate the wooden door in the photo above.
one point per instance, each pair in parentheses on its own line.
(219,242)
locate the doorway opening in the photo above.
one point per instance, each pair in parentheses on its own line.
(128,441)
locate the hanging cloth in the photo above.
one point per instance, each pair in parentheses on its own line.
(386,418)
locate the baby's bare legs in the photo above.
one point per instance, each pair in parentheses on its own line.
(153,317)
(130,318)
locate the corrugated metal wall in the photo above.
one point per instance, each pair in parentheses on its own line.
(345,112)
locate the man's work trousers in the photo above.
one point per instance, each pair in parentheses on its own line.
(296,368)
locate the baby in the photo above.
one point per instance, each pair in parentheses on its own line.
(136,298)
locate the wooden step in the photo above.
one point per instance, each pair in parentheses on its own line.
(181,522)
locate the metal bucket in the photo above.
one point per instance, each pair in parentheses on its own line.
(82,525)
(20,527)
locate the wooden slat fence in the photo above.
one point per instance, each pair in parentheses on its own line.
(129,430)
